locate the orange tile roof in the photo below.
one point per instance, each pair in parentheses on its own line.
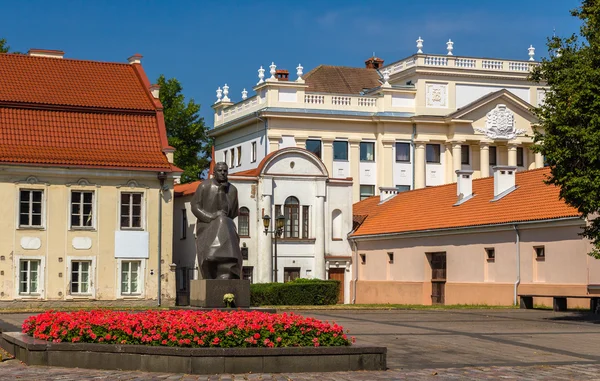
(68,82)
(187,189)
(341,79)
(61,112)
(432,208)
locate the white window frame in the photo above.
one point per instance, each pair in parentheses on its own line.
(92,277)
(232,157)
(253,152)
(94,209)
(141,279)
(239,156)
(18,208)
(142,211)
(41,276)
(225,157)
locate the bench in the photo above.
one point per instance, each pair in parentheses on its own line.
(559,302)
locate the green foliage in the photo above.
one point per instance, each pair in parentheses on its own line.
(568,134)
(185,130)
(312,292)
(3,47)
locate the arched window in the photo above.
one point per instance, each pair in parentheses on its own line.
(291,211)
(244,222)
(336,224)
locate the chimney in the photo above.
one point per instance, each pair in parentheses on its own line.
(282,75)
(386,193)
(135,59)
(155,90)
(464,184)
(504,180)
(46,53)
(374,63)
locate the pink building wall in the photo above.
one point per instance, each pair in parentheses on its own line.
(471,277)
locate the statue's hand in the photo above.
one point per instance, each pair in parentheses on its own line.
(218,214)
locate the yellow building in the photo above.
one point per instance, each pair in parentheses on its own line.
(406,125)
(86,180)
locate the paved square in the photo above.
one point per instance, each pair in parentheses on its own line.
(422,345)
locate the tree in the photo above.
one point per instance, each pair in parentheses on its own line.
(185,130)
(3,47)
(568,134)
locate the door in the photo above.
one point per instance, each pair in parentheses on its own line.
(438,277)
(338,274)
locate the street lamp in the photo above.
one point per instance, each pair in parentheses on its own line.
(279,223)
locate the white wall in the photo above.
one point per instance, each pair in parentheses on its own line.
(245,142)
(466,94)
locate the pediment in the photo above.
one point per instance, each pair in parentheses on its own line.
(295,162)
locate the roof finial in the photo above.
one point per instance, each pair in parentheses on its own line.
(419,45)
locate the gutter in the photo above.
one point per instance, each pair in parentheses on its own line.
(161,178)
(355,268)
(518,254)
(412,147)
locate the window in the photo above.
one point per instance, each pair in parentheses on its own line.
(131,210)
(30,208)
(390,258)
(305,216)
(291,212)
(340,150)
(184,224)
(247,272)
(464,154)
(131,277)
(490,253)
(367,151)
(336,225)
(239,156)
(253,152)
(290,274)
(314,146)
(402,188)
(244,222)
(80,277)
(367,191)
(244,250)
(540,253)
(231,157)
(519,156)
(363,259)
(432,151)
(29,270)
(493,155)
(402,153)
(82,205)
(225,156)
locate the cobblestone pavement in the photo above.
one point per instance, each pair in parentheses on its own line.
(422,345)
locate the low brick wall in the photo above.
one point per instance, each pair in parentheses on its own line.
(193,360)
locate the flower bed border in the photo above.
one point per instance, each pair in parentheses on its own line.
(193,360)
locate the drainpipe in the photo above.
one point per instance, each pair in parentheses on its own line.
(518,281)
(355,265)
(412,147)
(161,178)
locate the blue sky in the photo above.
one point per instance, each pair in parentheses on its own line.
(206,44)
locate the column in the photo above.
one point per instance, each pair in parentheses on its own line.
(484,159)
(386,175)
(264,265)
(327,156)
(274,143)
(319,269)
(512,154)
(355,168)
(456,158)
(419,165)
(539,160)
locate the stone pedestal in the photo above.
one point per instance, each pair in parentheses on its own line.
(208,293)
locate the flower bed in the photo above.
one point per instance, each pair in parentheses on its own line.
(185,329)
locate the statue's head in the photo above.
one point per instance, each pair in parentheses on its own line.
(221,171)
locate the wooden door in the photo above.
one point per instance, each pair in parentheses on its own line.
(338,274)
(438,277)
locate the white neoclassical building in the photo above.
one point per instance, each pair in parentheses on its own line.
(316,208)
(405,125)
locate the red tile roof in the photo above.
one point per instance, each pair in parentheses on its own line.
(341,79)
(68,82)
(433,208)
(62,112)
(187,189)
